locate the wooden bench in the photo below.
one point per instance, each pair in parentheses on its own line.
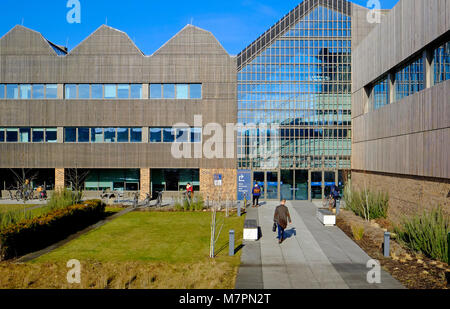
(326,217)
(250,229)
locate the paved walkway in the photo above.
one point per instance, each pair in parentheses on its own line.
(313,256)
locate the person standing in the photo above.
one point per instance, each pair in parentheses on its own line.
(256,194)
(281,218)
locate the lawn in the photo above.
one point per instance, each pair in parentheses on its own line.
(7,207)
(139,250)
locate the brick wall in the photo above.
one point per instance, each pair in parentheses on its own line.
(407,196)
(144,183)
(228,190)
(59,178)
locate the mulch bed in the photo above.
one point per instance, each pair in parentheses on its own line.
(413,270)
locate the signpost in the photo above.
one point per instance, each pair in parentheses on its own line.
(244,184)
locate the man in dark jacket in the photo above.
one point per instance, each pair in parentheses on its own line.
(256,194)
(281,218)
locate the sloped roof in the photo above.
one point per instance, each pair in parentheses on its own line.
(24,41)
(192,40)
(106,41)
(285,23)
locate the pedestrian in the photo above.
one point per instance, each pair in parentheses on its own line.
(281,218)
(256,194)
(189,191)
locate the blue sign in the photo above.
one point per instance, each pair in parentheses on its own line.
(244,184)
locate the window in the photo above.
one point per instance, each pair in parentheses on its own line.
(409,79)
(96,135)
(2,91)
(71,92)
(136,91)
(12,91)
(12,135)
(122,135)
(169,91)
(442,63)
(25,92)
(110,91)
(38,135)
(84,91)
(381,93)
(2,135)
(83,135)
(196,135)
(97,91)
(168,135)
(155,91)
(136,135)
(70,135)
(182,135)
(51,91)
(38,92)
(51,135)
(182,91)
(196,91)
(123,91)
(24,134)
(155,135)
(110,135)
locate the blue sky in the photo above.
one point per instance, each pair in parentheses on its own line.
(151,23)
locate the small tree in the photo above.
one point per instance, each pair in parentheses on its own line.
(23,187)
(76,178)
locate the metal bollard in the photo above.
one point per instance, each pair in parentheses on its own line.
(387,237)
(338,206)
(231,244)
(239,208)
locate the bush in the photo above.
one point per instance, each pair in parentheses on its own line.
(426,233)
(197,204)
(28,235)
(61,199)
(366,204)
(358,232)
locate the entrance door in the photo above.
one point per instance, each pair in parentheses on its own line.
(258,177)
(329,182)
(301,185)
(272,186)
(287,185)
(316,185)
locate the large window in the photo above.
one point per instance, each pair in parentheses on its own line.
(28,135)
(28,91)
(409,79)
(102,135)
(381,93)
(175,91)
(174,179)
(442,63)
(171,135)
(100,91)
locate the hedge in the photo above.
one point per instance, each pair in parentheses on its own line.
(37,233)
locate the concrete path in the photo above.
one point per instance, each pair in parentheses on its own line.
(312,256)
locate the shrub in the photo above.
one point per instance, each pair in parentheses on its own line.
(28,235)
(426,233)
(358,232)
(366,204)
(61,199)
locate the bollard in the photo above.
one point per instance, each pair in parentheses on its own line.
(387,237)
(231,244)
(338,206)
(239,208)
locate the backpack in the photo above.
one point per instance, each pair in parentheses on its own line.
(257,190)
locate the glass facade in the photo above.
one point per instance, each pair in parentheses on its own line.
(381,93)
(442,63)
(300,81)
(409,79)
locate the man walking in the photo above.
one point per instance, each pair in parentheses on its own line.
(256,194)
(281,218)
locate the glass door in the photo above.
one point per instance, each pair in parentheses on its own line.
(258,177)
(287,185)
(329,182)
(272,186)
(316,185)
(301,185)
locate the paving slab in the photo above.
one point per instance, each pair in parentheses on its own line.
(312,255)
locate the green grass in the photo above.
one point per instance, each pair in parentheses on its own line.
(8,207)
(173,237)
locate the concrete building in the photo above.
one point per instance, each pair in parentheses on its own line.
(107,107)
(401,108)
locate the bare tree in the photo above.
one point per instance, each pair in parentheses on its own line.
(76,178)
